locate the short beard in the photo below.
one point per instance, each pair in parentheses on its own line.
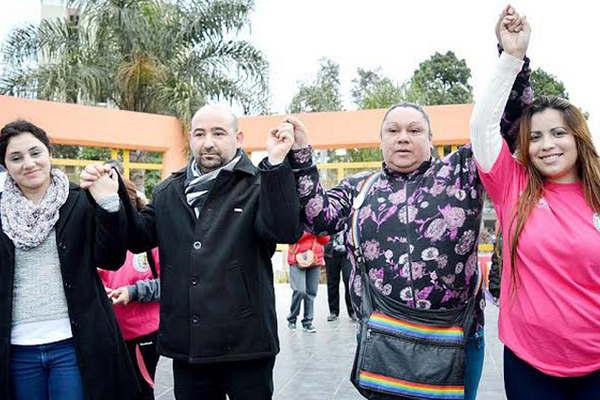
(211,166)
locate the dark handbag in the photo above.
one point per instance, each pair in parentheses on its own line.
(405,352)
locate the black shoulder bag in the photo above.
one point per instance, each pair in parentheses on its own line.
(404,352)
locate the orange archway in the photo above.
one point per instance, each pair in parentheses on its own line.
(75,124)
(348,129)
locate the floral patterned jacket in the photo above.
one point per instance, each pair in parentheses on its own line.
(418,231)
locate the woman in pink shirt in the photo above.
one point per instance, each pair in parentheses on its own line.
(135,291)
(548,204)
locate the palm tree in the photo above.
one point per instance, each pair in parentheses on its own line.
(55,60)
(158,56)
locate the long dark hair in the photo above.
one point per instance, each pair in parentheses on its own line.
(588,166)
(134,197)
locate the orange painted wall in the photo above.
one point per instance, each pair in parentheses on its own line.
(346,129)
(97,126)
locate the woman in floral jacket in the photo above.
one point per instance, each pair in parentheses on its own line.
(419,222)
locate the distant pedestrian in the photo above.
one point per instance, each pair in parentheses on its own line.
(306,257)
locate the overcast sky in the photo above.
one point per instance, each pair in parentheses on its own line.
(397,35)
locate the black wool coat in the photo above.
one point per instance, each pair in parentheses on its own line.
(217,296)
(87,237)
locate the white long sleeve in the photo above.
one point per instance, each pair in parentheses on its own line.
(487,113)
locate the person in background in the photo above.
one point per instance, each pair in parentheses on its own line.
(305,258)
(135,292)
(336,263)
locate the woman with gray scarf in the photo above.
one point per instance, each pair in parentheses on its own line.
(58,335)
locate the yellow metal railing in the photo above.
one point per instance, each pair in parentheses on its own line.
(486,247)
(442,151)
(67,162)
(340,167)
(114,155)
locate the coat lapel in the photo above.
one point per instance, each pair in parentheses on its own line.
(9,248)
(66,209)
(7,244)
(180,190)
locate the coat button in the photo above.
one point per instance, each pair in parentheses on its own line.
(68,285)
(195,319)
(194,281)
(197,245)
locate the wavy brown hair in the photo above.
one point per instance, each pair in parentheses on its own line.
(135,199)
(588,166)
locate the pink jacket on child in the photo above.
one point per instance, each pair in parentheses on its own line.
(135,319)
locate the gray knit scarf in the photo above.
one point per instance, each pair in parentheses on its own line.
(198,185)
(28,224)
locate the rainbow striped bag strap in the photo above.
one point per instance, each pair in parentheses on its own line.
(359,199)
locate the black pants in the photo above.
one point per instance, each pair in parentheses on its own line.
(524,382)
(333,266)
(147,363)
(240,380)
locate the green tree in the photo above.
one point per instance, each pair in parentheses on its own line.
(441,79)
(371,90)
(55,60)
(321,95)
(158,56)
(547,84)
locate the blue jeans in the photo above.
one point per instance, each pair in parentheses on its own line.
(305,284)
(47,371)
(524,382)
(474,353)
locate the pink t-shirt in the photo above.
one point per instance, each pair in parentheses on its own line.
(135,319)
(552,321)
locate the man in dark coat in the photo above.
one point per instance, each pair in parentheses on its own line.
(216,223)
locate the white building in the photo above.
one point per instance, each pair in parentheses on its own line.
(57,9)
(53,9)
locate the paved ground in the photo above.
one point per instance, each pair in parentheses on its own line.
(317,366)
